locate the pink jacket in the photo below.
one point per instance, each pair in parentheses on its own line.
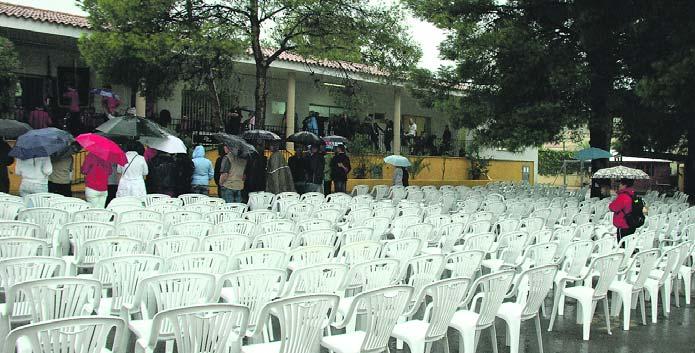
(621,206)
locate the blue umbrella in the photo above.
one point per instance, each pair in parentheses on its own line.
(398,161)
(592,153)
(41,143)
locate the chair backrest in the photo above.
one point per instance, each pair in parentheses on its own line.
(401,249)
(379,225)
(311,255)
(482,242)
(302,319)
(355,253)
(422,270)
(533,286)
(318,237)
(259,259)
(207,261)
(464,263)
(299,211)
(446,295)
(357,234)
(41,199)
(511,246)
(237,226)
(56,298)
(174,245)
(253,288)
(82,334)
(357,216)
(260,200)
(506,226)
(176,217)
(228,244)
(126,200)
(22,269)
(313,198)
(10,209)
(373,274)
(162,207)
(191,198)
(198,229)
(607,267)
(123,274)
(276,240)
(151,199)
(493,289)
(81,232)
(585,231)
(400,223)
(140,215)
(641,263)
(144,230)
(218,216)
(319,278)
(203,328)
(380,191)
(541,254)
(70,204)
(382,307)
(89,252)
(384,211)
(330,214)
(313,224)
(95,215)
(576,257)
(276,225)
(563,235)
(48,219)
(259,216)
(476,227)
(20,247)
(667,263)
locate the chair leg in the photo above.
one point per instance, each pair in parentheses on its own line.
(654,301)
(554,313)
(643,307)
(627,308)
(513,332)
(445,343)
(538,333)
(687,277)
(493,338)
(616,303)
(608,317)
(467,342)
(666,301)
(678,291)
(586,315)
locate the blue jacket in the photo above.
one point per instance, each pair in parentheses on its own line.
(203,171)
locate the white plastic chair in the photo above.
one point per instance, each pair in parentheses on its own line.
(76,233)
(259,259)
(574,262)
(445,296)
(95,215)
(228,244)
(662,278)
(423,270)
(82,334)
(277,240)
(69,204)
(399,224)
(198,229)
(402,249)
(126,200)
(10,209)
(309,255)
(191,198)
(151,199)
(252,288)
(606,267)
(484,306)
(55,298)
(41,199)
(464,263)
(239,208)
(379,192)
(330,214)
(20,247)
(221,216)
(176,217)
(318,237)
(299,211)
(357,234)
(314,224)
(199,207)
(301,319)
(259,216)
(531,289)
(384,211)
(143,230)
(358,252)
(207,262)
(276,225)
(313,198)
(628,287)
(510,247)
(174,245)
(382,308)
(20,269)
(91,251)
(238,226)
(200,328)
(161,207)
(314,279)
(211,201)
(122,274)
(140,215)
(49,221)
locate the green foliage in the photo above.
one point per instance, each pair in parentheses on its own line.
(550,162)
(9,63)
(417,165)
(364,167)
(479,164)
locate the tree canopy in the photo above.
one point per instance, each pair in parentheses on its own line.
(158,39)
(9,63)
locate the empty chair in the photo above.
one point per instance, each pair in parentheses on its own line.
(422,231)
(357,234)
(20,269)
(260,200)
(20,247)
(360,190)
(276,240)
(506,226)
(379,192)
(422,270)
(463,263)
(122,274)
(259,216)
(41,199)
(314,279)
(299,211)
(221,216)
(662,278)
(482,242)
(379,225)
(355,253)
(445,295)
(318,237)
(382,308)
(401,249)
(309,255)
(606,267)
(70,204)
(143,230)
(174,245)
(207,261)
(276,225)
(126,200)
(139,215)
(239,208)
(199,207)
(193,228)
(49,220)
(314,224)
(366,276)
(152,199)
(313,198)
(10,209)
(163,207)
(76,233)
(228,244)
(252,288)
(384,211)
(629,285)
(399,224)
(176,217)
(259,259)
(55,298)
(510,247)
(477,227)
(91,251)
(95,215)
(215,202)
(301,319)
(531,288)
(200,328)
(331,214)
(539,255)
(188,199)
(238,226)
(80,334)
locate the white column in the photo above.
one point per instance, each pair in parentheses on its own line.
(140,104)
(290,107)
(397,121)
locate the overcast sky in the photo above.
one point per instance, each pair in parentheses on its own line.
(424,33)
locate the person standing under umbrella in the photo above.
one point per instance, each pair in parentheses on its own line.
(132,182)
(203,172)
(112,184)
(622,206)
(218,165)
(184,173)
(60,180)
(96,178)
(314,164)
(5,161)
(39,118)
(279,176)
(162,174)
(232,175)
(340,168)
(298,169)
(34,173)
(400,176)
(255,172)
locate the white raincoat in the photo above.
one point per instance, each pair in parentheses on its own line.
(132,181)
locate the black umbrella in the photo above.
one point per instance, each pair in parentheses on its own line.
(305,138)
(42,143)
(11,129)
(132,126)
(260,135)
(335,140)
(233,141)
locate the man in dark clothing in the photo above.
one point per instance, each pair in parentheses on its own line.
(184,173)
(162,174)
(388,135)
(255,173)
(446,139)
(340,167)
(5,162)
(218,165)
(296,164)
(314,163)
(233,123)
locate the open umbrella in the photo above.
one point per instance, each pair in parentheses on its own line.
(41,143)
(620,172)
(398,161)
(260,135)
(305,138)
(11,129)
(102,147)
(592,153)
(168,144)
(334,140)
(233,141)
(132,126)
(104,92)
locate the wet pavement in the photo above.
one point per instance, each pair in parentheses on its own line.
(675,334)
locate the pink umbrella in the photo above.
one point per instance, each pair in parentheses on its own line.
(102,147)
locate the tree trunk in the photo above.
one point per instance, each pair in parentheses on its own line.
(690,164)
(600,123)
(260,94)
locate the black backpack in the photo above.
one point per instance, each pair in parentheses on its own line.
(635,218)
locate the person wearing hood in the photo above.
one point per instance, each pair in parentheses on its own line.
(279,177)
(162,174)
(314,169)
(621,206)
(297,168)
(132,180)
(232,176)
(255,172)
(203,172)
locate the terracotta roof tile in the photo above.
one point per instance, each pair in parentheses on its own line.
(32,13)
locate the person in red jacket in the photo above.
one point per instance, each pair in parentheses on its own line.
(621,206)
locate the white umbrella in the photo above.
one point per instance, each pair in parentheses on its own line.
(168,144)
(620,172)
